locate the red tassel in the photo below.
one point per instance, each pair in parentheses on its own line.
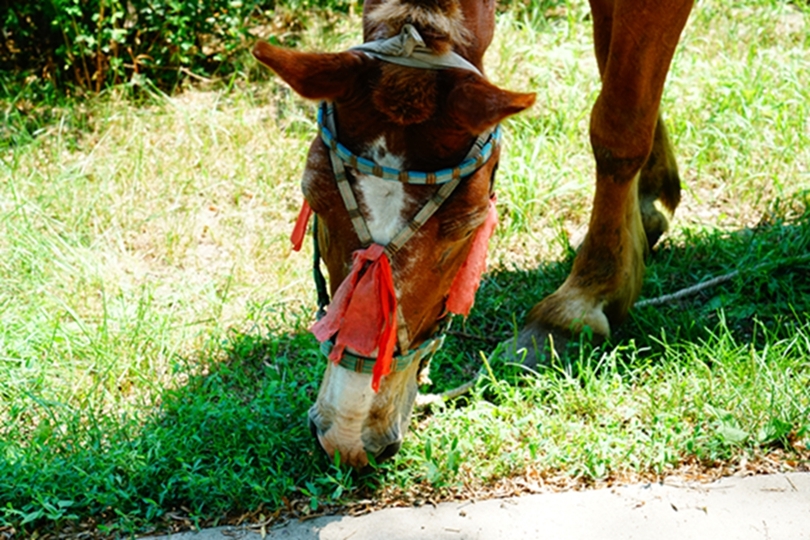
(462,293)
(363,312)
(300,228)
(388,333)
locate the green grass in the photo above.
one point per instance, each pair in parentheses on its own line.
(155,364)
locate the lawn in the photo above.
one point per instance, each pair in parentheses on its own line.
(155,362)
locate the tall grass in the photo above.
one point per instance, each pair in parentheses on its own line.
(155,364)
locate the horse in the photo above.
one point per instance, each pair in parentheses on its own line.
(399,185)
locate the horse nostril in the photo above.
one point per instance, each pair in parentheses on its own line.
(389,451)
(314,430)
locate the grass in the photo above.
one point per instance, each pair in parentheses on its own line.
(155,364)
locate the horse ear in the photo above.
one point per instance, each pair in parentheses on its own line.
(313,75)
(478,105)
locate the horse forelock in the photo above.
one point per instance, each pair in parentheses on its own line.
(440,21)
(406,96)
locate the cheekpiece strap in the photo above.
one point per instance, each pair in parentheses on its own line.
(362,364)
(326,121)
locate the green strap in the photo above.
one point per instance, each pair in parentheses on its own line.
(317,274)
(363,364)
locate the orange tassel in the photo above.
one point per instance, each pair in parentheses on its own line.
(462,293)
(388,333)
(363,313)
(300,228)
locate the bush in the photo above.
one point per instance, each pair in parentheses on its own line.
(93,43)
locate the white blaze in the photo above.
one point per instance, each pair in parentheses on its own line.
(385,200)
(347,397)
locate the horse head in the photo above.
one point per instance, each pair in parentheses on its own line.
(400,180)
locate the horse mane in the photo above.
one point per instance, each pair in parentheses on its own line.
(408,96)
(440,22)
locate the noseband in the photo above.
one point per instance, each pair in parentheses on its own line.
(407,49)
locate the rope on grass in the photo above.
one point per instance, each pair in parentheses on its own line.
(688,291)
(694,289)
(423,400)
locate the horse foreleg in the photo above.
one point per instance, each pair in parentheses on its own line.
(635,42)
(659,180)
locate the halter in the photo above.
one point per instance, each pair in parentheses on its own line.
(407,49)
(449,178)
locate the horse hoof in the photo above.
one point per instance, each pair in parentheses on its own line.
(534,346)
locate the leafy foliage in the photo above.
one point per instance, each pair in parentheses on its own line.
(91,44)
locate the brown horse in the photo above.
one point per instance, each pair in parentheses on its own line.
(400,179)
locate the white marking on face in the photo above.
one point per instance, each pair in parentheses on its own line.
(349,394)
(349,390)
(385,200)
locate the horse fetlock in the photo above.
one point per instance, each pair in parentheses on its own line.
(659,181)
(654,221)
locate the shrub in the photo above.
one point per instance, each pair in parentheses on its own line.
(93,43)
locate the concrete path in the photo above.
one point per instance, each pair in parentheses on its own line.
(773,507)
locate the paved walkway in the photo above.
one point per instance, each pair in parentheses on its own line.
(772,507)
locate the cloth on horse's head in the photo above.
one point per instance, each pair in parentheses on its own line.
(408,49)
(363,312)
(465,285)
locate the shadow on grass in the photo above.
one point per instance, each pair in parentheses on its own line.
(771,291)
(233,441)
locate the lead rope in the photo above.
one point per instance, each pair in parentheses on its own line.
(317,273)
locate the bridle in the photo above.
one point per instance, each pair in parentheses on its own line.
(407,49)
(448,179)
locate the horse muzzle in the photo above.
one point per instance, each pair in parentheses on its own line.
(355,450)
